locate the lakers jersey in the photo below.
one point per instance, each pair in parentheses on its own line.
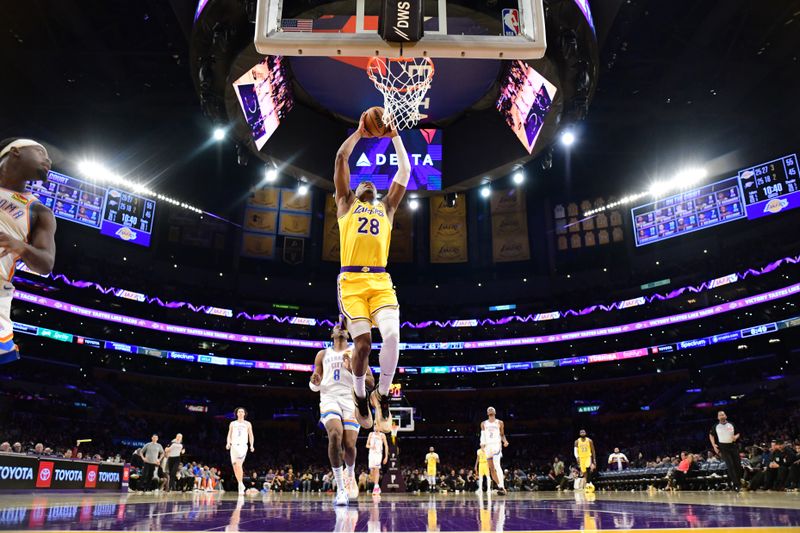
(336,379)
(15,221)
(364,235)
(584,448)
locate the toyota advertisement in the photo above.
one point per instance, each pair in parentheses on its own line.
(29,472)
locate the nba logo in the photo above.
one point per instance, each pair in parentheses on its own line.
(510,22)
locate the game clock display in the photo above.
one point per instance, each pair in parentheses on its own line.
(115,213)
(771,187)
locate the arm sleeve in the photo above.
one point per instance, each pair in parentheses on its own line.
(403,164)
(483,437)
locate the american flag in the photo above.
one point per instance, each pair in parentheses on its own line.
(297,25)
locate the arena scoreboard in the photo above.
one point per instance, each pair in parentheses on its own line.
(755,192)
(116,213)
(689,211)
(771,187)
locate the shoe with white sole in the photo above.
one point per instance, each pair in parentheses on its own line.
(341,498)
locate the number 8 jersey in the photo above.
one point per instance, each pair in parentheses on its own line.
(337,381)
(364,235)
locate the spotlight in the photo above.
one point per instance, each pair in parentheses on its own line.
(413,204)
(270,174)
(568,138)
(302,189)
(219,134)
(519,177)
(486,191)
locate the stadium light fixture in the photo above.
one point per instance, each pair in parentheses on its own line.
(219,134)
(568,138)
(302,189)
(413,204)
(519,177)
(486,191)
(270,174)
(99,173)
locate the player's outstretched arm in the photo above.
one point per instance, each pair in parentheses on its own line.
(40,253)
(400,182)
(341,172)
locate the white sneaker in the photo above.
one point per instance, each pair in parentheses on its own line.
(376,490)
(351,485)
(341,498)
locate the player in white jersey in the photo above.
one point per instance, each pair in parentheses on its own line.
(239,432)
(378,455)
(27,227)
(493,437)
(333,379)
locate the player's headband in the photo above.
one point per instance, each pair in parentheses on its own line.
(20,143)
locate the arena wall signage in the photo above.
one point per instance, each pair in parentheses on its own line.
(537,317)
(34,473)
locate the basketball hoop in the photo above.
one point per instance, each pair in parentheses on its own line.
(403,82)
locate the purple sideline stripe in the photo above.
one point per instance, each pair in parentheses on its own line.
(706,285)
(519,341)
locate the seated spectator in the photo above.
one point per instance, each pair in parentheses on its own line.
(677,476)
(17,447)
(5,447)
(327,482)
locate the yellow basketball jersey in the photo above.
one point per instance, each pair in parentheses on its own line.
(584,448)
(481,457)
(364,235)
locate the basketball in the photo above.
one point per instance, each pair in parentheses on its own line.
(373,122)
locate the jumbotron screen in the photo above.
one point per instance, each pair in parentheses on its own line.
(265,97)
(525,99)
(374,160)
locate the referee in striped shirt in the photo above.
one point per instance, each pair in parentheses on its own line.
(723,439)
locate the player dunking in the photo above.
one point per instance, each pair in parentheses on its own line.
(378,455)
(239,431)
(334,382)
(365,292)
(493,438)
(587,460)
(27,227)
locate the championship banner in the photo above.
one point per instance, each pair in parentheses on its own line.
(294,225)
(258,245)
(267,198)
(260,220)
(291,200)
(402,245)
(330,231)
(448,231)
(509,227)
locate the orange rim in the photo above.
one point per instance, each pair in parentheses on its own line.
(376,63)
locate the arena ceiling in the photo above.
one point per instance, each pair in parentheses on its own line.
(679,81)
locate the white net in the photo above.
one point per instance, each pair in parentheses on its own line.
(403,81)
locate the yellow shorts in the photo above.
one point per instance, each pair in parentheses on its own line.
(483,470)
(362,294)
(585,463)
